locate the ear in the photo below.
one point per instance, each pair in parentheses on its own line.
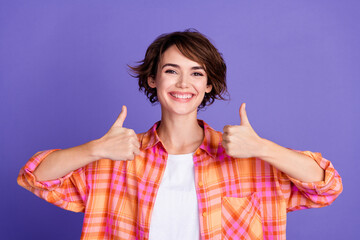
(151,81)
(208,88)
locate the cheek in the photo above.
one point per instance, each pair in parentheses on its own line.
(162,89)
(160,86)
(165,82)
(202,87)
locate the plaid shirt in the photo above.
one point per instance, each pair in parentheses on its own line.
(237,198)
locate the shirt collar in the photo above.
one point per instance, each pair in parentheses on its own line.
(210,142)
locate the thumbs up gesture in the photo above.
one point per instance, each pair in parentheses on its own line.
(241,141)
(118,143)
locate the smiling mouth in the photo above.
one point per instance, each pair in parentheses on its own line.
(182,96)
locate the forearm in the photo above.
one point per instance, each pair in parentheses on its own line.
(61,162)
(294,164)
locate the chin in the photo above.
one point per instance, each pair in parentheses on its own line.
(181,110)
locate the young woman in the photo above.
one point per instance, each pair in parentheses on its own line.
(182,179)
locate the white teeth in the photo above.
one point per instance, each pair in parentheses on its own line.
(183,96)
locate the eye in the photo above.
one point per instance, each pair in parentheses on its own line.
(198,74)
(170,71)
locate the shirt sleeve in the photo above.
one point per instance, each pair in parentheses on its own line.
(303,195)
(68,192)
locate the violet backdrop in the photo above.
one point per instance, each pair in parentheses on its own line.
(64,78)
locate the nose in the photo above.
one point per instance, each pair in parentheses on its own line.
(182,82)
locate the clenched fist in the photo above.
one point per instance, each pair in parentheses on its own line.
(118,143)
(241,141)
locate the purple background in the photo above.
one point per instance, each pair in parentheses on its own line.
(63,79)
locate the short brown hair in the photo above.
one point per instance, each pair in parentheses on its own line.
(193,45)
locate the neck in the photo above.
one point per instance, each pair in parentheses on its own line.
(180,134)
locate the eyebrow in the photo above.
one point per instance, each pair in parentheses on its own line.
(177,66)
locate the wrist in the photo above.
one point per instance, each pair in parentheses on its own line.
(272,152)
(93,150)
(266,149)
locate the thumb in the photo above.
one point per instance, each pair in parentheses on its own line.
(243,116)
(121,118)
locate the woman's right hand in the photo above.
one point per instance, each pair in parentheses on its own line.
(118,143)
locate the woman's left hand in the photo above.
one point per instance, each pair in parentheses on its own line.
(241,141)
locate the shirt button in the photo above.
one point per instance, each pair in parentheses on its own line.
(200,183)
(204,214)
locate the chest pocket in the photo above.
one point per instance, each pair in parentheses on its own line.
(241,218)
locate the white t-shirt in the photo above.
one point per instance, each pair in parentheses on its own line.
(175,214)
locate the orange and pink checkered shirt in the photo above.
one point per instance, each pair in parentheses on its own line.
(237,198)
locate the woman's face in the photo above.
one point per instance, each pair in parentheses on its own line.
(180,83)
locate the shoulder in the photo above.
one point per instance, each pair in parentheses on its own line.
(212,136)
